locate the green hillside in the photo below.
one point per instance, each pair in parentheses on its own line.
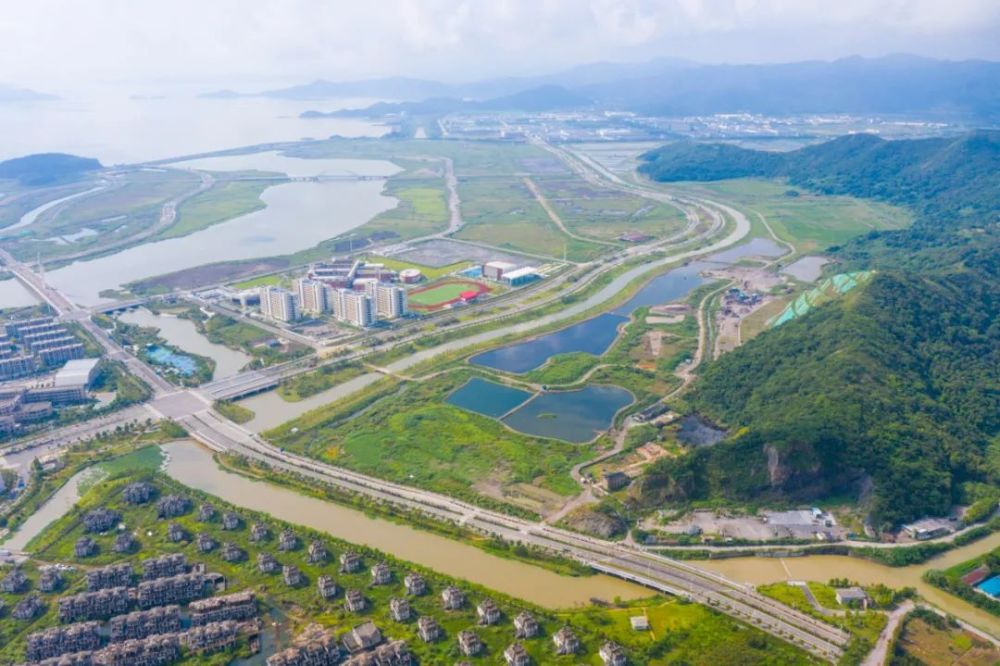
(897,381)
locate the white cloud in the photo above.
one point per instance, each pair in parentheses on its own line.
(49,44)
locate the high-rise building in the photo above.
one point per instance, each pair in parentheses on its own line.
(390,301)
(279,304)
(313,297)
(354,307)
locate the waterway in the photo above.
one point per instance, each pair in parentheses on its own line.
(298,215)
(760,570)
(55,508)
(13,294)
(32,215)
(193,466)
(271,410)
(183,333)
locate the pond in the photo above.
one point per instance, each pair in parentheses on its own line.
(183,334)
(487,398)
(572,416)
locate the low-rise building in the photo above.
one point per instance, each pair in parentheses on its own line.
(928,528)
(469,643)
(287,540)
(172,506)
(28,608)
(98,605)
(140,624)
(206,512)
(399,609)
(163,566)
(212,637)
(100,520)
(566,641)
(233,553)
(315,647)
(138,493)
(231,521)
(851,596)
(381,574)
(125,542)
(175,533)
(516,655)
(487,612)
(157,650)
(85,547)
(525,625)
(114,575)
(616,481)
(362,637)
(452,598)
(326,586)
(238,607)
(50,579)
(355,602)
(15,582)
(317,552)
(415,584)
(292,575)
(428,629)
(174,590)
(205,542)
(55,641)
(350,562)
(259,532)
(612,654)
(266,563)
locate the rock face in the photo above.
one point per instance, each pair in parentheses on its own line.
(595,523)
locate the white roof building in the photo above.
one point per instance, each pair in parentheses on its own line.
(78,372)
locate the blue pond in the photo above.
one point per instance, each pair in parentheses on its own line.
(573,416)
(185,365)
(991,587)
(593,336)
(487,398)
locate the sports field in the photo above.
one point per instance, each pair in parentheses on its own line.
(438,295)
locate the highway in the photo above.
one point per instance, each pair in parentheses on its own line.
(192,409)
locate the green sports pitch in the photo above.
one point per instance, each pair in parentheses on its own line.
(444,293)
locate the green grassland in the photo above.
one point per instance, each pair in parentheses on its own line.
(681,632)
(604,213)
(811,222)
(316,381)
(502,211)
(262,281)
(928,638)
(127,207)
(228,198)
(235,412)
(412,436)
(437,294)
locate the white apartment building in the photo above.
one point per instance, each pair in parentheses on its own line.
(278,304)
(390,301)
(354,307)
(312,297)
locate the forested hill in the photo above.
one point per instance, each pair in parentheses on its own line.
(898,383)
(47,168)
(952,184)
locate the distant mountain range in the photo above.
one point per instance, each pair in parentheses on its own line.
(542,98)
(13,94)
(47,168)
(900,84)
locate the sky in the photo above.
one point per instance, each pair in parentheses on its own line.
(56,45)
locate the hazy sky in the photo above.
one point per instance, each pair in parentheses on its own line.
(54,45)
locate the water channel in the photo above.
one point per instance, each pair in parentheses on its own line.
(184,334)
(193,466)
(298,215)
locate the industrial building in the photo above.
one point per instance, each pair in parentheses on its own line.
(494,270)
(519,276)
(278,304)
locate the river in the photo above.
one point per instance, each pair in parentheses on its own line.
(193,466)
(298,215)
(183,333)
(759,570)
(13,294)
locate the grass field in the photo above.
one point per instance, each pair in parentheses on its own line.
(811,222)
(412,436)
(226,200)
(935,643)
(429,272)
(438,295)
